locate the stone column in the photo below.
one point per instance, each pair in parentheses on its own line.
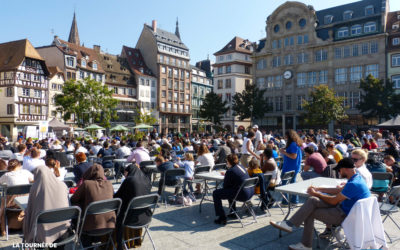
(283,125)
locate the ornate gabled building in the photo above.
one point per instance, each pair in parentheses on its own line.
(168,58)
(24,87)
(393,48)
(303,48)
(56,83)
(232,71)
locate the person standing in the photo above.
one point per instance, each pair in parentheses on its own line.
(258,138)
(248,150)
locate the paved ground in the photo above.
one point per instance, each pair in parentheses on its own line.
(177,227)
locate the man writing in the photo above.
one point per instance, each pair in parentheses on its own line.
(329,205)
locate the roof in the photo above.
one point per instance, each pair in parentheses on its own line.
(117,67)
(12,54)
(55,123)
(261,44)
(237,44)
(81,52)
(166,37)
(136,61)
(393,18)
(358,9)
(53,70)
(394,122)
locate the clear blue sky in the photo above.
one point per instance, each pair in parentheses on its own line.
(205,26)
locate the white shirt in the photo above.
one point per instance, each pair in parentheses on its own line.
(276,176)
(206,160)
(122,152)
(62,172)
(81,149)
(19,177)
(366,175)
(18,156)
(31,164)
(342,148)
(95,149)
(244,146)
(258,137)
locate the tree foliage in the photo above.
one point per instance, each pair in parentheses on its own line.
(379,98)
(251,103)
(88,100)
(324,106)
(213,108)
(144,117)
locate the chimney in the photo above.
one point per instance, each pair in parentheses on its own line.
(96,48)
(154,25)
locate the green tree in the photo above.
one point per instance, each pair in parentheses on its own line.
(251,103)
(379,98)
(324,106)
(144,117)
(88,100)
(213,108)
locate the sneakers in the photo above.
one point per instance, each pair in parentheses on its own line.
(282,225)
(299,246)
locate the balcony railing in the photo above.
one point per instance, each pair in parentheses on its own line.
(32,118)
(32,100)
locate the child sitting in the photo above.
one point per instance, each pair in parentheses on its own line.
(188,165)
(253,170)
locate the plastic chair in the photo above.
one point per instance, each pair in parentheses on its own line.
(387,208)
(14,190)
(138,205)
(176,172)
(249,183)
(97,208)
(59,215)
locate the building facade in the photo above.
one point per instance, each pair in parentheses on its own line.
(232,71)
(24,88)
(201,86)
(303,48)
(393,48)
(56,83)
(168,58)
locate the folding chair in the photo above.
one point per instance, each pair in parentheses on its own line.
(219,166)
(97,208)
(382,182)
(14,190)
(139,205)
(109,160)
(59,215)
(267,180)
(387,208)
(176,172)
(249,183)
(147,172)
(198,170)
(287,177)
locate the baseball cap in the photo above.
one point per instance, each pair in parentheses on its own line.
(255,126)
(344,163)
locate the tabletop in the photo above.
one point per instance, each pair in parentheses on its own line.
(211,176)
(120,160)
(300,188)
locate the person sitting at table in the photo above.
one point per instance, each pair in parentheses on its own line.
(103,153)
(392,150)
(81,167)
(393,167)
(329,205)
(135,184)
(46,193)
(15,176)
(234,177)
(32,160)
(359,158)
(204,157)
(313,160)
(269,166)
(327,157)
(373,143)
(162,166)
(139,154)
(79,148)
(94,188)
(58,171)
(366,145)
(337,156)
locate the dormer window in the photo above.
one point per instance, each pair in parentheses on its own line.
(343,32)
(356,29)
(83,63)
(369,10)
(370,27)
(328,19)
(395,26)
(348,14)
(94,66)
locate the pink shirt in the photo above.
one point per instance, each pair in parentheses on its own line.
(139,155)
(316,161)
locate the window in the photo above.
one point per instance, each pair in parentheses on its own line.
(10,109)
(261,64)
(288,102)
(343,32)
(276,28)
(187,97)
(355,73)
(305,39)
(176,73)
(286,41)
(169,72)
(278,103)
(270,81)
(370,27)
(260,82)
(288,25)
(396,41)
(9,92)
(302,22)
(355,49)
(228,69)
(299,39)
(175,96)
(373,70)
(302,58)
(348,14)
(369,10)
(341,75)
(364,49)
(300,100)
(70,61)
(181,97)
(374,47)
(220,70)
(346,51)
(396,81)
(396,60)
(94,66)
(26,92)
(354,99)
(169,95)
(220,58)
(229,57)
(164,82)
(321,55)
(323,76)
(176,85)
(312,78)
(220,84)
(187,85)
(83,63)
(170,83)
(278,81)
(301,79)
(328,19)
(276,61)
(38,93)
(356,29)
(274,44)
(182,86)
(25,109)
(163,70)
(228,97)
(338,53)
(228,83)
(344,96)
(288,60)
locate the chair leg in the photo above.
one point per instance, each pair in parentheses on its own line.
(151,239)
(5,217)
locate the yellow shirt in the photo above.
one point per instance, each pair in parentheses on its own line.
(338,156)
(252,172)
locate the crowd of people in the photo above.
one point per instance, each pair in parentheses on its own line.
(249,154)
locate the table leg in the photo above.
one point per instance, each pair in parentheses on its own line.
(288,213)
(204,193)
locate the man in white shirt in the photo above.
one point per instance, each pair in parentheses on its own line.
(31,162)
(21,152)
(258,138)
(123,151)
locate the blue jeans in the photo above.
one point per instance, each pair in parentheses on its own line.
(294,199)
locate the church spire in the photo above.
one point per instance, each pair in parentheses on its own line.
(177,29)
(73,34)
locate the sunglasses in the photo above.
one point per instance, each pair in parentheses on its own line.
(355,160)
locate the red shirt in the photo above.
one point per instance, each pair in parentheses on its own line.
(367,146)
(374,145)
(317,161)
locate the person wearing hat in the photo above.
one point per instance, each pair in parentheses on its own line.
(258,138)
(329,205)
